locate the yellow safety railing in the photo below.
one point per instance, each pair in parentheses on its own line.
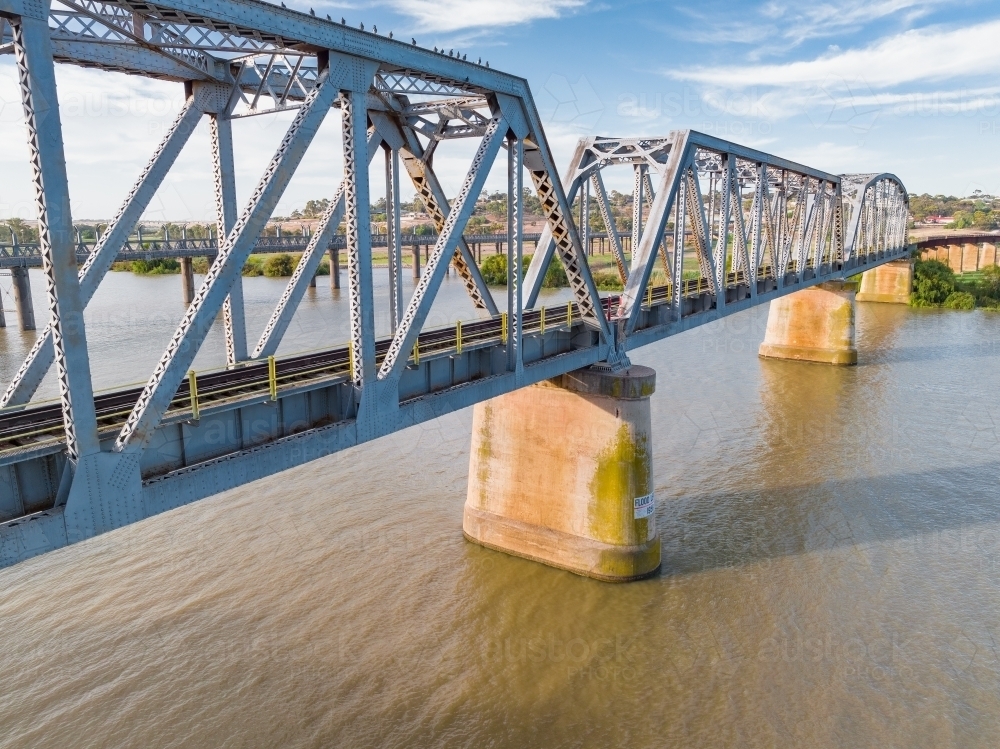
(193,388)
(458,337)
(272,377)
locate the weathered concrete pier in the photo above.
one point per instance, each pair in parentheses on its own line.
(891,283)
(561,472)
(815,324)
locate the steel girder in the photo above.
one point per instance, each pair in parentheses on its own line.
(307,266)
(417,161)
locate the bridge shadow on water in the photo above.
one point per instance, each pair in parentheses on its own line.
(936,511)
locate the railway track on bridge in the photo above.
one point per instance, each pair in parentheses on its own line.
(33,426)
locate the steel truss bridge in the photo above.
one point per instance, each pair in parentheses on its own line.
(717,228)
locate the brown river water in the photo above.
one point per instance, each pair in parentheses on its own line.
(831,569)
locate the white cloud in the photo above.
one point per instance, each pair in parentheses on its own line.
(801,21)
(453,15)
(925,55)
(778,26)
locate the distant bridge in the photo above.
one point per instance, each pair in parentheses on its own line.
(30,255)
(717,228)
(963,253)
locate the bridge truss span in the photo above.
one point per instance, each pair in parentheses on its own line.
(716,228)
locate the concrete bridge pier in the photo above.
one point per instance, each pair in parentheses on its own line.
(416,262)
(334,268)
(955,257)
(890,283)
(989,255)
(22,298)
(561,473)
(970,257)
(187,280)
(815,324)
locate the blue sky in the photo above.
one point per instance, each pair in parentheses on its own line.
(906,86)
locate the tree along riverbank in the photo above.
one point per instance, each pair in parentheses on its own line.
(937,285)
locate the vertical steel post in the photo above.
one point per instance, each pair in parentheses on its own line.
(515,258)
(225,211)
(637,201)
(393,238)
(36,74)
(358,224)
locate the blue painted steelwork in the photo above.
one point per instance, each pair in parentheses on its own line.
(733,227)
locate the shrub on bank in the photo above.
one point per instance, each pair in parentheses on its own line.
(608,280)
(936,285)
(960,300)
(933,283)
(494,270)
(277,266)
(254,266)
(555,276)
(158,267)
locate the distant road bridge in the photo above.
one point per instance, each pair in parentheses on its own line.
(963,253)
(717,228)
(30,255)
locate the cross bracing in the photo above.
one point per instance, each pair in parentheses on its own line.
(717,228)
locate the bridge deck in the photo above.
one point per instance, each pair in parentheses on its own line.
(313,393)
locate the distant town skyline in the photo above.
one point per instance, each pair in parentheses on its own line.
(903,86)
